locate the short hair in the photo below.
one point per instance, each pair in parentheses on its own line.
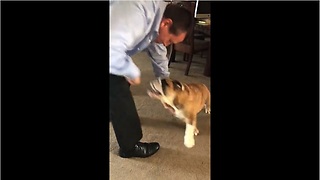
(180,16)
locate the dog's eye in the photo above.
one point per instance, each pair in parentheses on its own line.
(177,84)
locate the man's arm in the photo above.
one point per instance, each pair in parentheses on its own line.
(158,54)
(127,26)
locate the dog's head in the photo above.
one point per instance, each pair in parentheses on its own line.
(165,88)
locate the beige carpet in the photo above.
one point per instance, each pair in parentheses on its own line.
(173,160)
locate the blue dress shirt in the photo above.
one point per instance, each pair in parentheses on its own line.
(133,27)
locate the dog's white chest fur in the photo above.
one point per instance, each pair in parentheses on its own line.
(179,114)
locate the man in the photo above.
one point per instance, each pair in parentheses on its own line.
(136,26)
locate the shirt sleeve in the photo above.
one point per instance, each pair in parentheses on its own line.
(127,26)
(158,54)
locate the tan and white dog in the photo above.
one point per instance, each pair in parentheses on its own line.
(185,101)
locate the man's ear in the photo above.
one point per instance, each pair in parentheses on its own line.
(166,22)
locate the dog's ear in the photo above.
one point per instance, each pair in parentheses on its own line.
(177,85)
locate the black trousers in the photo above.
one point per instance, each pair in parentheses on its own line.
(123,113)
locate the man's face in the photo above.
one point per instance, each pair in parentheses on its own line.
(165,37)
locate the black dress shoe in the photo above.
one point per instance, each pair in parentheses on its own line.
(142,150)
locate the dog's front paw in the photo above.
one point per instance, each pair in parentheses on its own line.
(189,142)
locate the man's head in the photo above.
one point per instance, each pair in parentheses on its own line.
(174,25)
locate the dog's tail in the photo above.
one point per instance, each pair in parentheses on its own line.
(208,102)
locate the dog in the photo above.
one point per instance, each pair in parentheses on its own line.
(184,101)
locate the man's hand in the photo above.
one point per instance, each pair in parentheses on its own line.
(135,81)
